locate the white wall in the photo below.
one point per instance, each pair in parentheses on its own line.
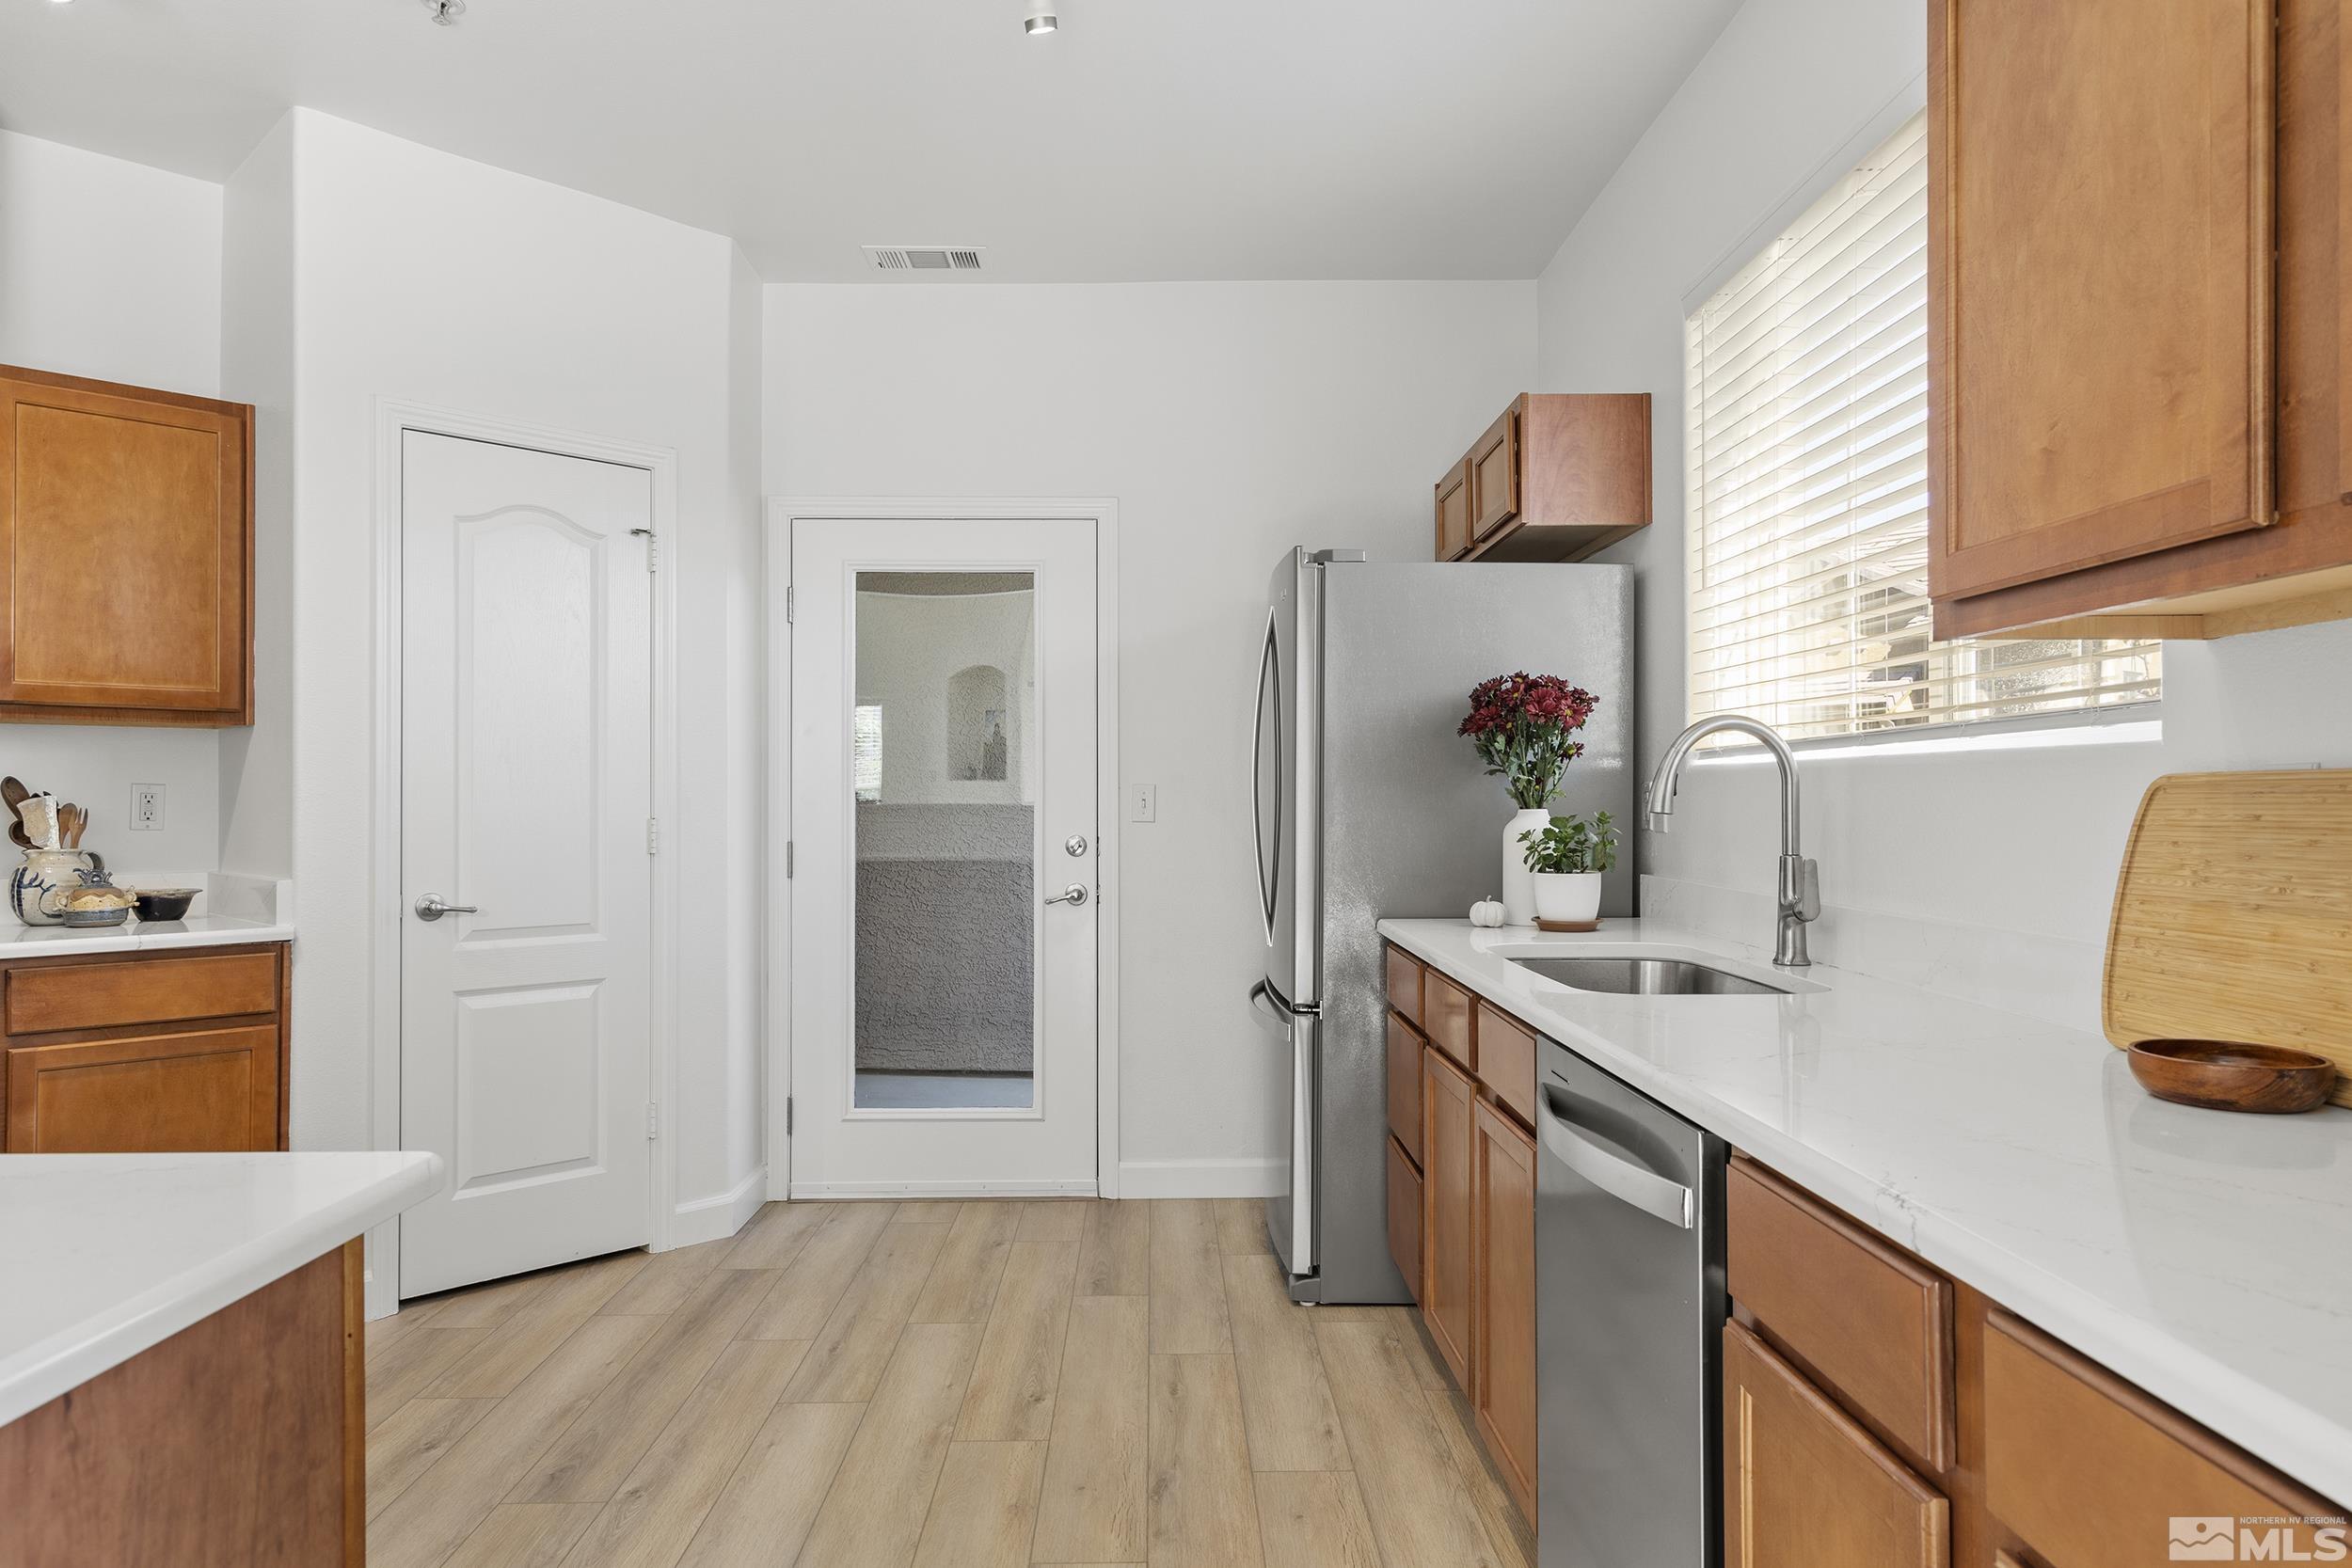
(426,277)
(112,270)
(1230,422)
(2027,841)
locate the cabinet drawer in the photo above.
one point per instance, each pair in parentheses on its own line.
(1404,1217)
(141,991)
(1874,1325)
(1445,1017)
(206,1089)
(1403,980)
(1803,1483)
(2085,1468)
(1506,1060)
(1405,1086)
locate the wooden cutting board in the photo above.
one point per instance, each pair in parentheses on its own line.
(2233,915)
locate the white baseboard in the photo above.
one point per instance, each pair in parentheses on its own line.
(721,1215)
(838,1190)
(1202,1177)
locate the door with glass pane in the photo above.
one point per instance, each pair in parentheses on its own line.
(944,827)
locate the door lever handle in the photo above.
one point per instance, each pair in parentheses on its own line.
(431,908)
(1074,893)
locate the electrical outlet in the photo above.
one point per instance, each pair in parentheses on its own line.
(147,807)
(1143,802)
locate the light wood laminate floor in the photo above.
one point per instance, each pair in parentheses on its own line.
(928,1384)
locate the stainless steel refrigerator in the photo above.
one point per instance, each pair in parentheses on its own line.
(1367,806)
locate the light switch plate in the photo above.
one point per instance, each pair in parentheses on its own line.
(1143,802)
(146,808)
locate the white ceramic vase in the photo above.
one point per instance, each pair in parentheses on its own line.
(1519,883)
(1568,896)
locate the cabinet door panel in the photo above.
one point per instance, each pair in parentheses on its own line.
(1503,1374)
(202,1090)
(2100,284)
(1404,1202)
(1447,1096)
(1803,1484)
(1495,475)
(1453,511)
(1404,1049)
(124,535)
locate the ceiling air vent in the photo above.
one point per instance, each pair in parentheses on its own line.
(924,258)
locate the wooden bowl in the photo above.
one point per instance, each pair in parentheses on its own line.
(2221,1075)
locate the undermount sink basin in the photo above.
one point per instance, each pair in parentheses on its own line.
(1650,977)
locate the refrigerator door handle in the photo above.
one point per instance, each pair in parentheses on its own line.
(1268,662)
(1612,1172)
(1270,1013)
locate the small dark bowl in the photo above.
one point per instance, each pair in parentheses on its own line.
(2223,1075)
(165,903)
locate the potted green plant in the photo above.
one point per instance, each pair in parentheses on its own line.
(1524,728)
(1566,860)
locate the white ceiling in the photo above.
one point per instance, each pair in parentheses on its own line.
(1146,140)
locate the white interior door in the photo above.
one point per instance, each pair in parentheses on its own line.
(525,793)
(945,828)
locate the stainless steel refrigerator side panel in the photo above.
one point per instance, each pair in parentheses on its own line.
(1412,825)
(1630,1311)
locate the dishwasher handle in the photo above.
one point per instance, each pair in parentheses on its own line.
(1610,1171)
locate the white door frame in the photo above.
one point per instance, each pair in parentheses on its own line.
(1109,867)
(393,417)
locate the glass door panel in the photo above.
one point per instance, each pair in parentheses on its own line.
(943,765)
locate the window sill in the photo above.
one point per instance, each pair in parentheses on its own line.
(2141,729)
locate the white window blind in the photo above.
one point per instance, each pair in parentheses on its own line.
(1806,458)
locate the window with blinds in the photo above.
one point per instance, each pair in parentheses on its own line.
(1807,455)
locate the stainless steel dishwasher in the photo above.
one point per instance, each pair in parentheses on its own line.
(1629,1314)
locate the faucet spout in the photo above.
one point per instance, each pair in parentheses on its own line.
(1797,880)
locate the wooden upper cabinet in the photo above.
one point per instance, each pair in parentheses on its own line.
(2098,281)
(2141,336)
(125,554)
(1448,1099)
(1453,511)
(1803,1483)
(1557,477)
(1502,1376)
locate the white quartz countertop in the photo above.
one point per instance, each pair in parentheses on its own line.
(2205,1255)
(103,1256)
(135,936)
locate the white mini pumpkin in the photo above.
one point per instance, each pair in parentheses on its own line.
(1486,913)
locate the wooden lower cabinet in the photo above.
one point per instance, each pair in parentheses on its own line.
(1404,1215)
(206,1089)
(129,1055)
(1502,1373)
(1448,1098)
(1804,1486)
(242,1440)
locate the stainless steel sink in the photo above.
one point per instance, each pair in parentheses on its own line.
(1649,978)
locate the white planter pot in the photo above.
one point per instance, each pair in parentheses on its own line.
(1572,895)
(1519,887)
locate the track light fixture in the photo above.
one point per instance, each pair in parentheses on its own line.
(1040,17)
(445,12)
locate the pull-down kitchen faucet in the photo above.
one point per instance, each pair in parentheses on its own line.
(1800,879)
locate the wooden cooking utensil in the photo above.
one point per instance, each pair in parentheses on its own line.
(17,836)
(2222,1076)
(14,792)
